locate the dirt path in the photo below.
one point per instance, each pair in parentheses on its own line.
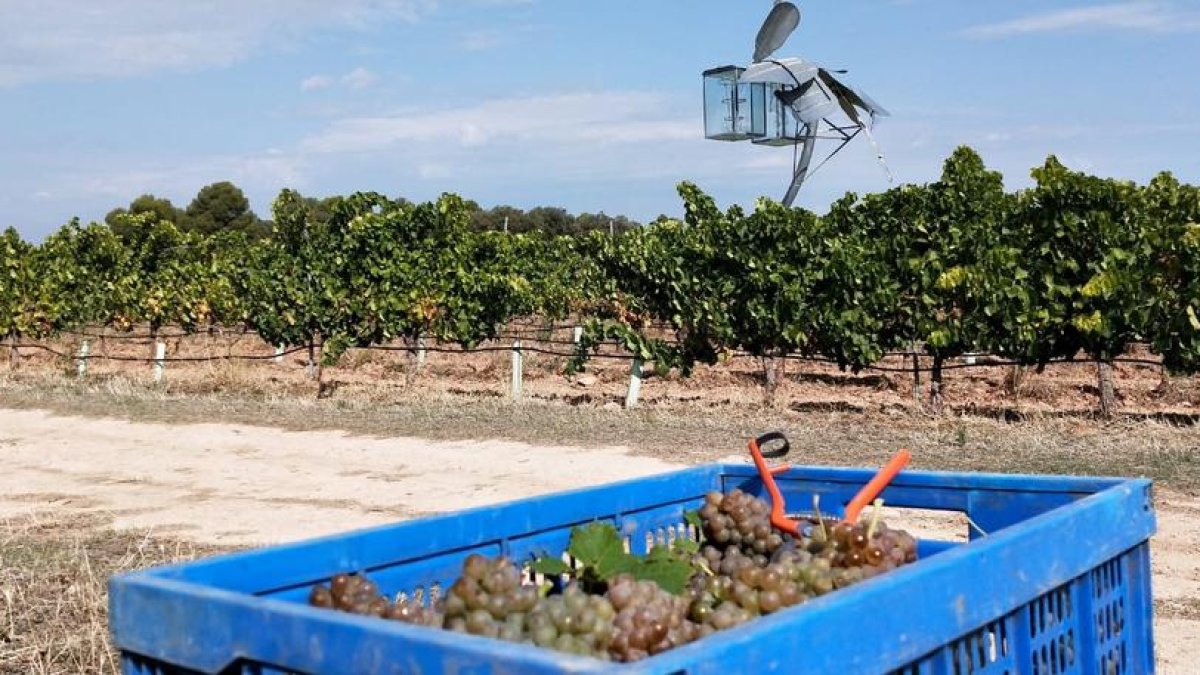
(242,485)
(250,485)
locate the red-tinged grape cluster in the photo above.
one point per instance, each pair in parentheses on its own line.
(489,600)
(738,520)
(884,549)
(358,595)
(573,622)
(872,549)
(649,620)
(742,582)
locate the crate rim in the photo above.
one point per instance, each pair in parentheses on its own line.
(1089,485)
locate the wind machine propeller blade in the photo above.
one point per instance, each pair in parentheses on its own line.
(775,31)
(851,101)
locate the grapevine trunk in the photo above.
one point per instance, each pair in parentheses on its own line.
(936,403)
(1108,393)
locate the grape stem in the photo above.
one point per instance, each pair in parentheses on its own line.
(875,518)
(820,518)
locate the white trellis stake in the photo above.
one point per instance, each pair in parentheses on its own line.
(517,366)
(160,362)
(635,385)
(81,364)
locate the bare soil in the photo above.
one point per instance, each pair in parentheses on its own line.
(242,485)
(391,373)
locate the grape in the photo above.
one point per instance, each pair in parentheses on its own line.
(475,566)
(456,605)
(478,621)
(565,643)
(339,585)
(544,636)
(874,556)
(858,538)
(525,598)
(320,597)
(498,606)
(510,633)
(770,601)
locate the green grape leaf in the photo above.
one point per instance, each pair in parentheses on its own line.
(685,546)
(599,549)
(616,563)
(595,542)
(550,566)
(666,569)
(693,518)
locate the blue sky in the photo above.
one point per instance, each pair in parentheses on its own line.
(591,105)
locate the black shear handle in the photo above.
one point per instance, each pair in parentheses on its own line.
(773,445)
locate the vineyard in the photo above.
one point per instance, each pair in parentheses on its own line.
(919,280)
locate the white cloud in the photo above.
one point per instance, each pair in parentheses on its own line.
(359,78)
(482,40)
(316,82)
(435,171)
(71,40)
(265,173)
(573,119)
(1142,16)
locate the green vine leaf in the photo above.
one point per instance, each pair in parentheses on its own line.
(601,555)
(550,566)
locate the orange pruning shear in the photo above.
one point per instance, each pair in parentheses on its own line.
(775,445)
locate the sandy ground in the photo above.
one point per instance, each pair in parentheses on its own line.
(246,485)
(241,485)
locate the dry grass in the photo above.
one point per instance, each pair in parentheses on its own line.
(1152,447)
(53,590)
(1178,608)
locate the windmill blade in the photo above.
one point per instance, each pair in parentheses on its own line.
(849,96)
(779,26)
(846,95)
(876,109)
(850,101)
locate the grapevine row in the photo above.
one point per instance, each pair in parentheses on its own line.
(1076,265)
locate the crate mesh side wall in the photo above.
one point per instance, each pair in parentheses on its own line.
(1080,628)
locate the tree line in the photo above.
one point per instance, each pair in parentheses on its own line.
(1077,265)
(223,207)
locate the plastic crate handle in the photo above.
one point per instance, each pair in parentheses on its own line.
(779,518)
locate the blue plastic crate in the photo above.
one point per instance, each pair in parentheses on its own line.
(1059,585)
